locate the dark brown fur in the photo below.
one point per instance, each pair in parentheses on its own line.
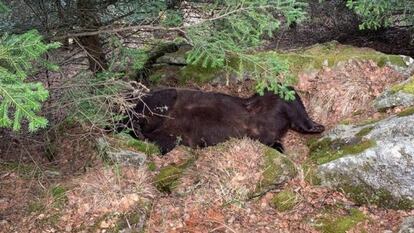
(198,119)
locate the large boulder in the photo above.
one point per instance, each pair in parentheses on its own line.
(372,163)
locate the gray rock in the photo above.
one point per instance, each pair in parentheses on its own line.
(120,155)
(389,99)
(172,59)
(407,226)
(127,157)
(386,168)
(407,70)
(176,58)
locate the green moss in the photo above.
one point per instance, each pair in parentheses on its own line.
(365,131)
(24,170)
(143,146)
(345,122)
(36,206)
(340,224)
(168,177)
(405,87)
(332,53)
(309,171)
(151,166)
(285,200)
(358,148)
(156,78)
(406,112)
(59,196)
(198,74)
(276,168)
(326,150)
(368,122)
(382,198)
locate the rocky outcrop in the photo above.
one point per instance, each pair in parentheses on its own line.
(372,163)
(399,95)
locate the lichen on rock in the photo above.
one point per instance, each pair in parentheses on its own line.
(380,173)
(327,150)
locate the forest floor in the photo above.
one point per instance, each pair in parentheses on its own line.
(78,192)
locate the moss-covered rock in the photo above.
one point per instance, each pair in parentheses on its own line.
(331,54)
(138,145)
(406,112)
(383,198)
(407,87)
(332,223)
(380,172)
(311,58)
(277,169)
(401,94)
(124,149)
(167,178)
(198,74)
(364,131)
(326,150)
(284,200)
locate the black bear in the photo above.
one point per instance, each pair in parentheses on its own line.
(197,119)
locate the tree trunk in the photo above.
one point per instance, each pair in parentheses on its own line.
(91,44)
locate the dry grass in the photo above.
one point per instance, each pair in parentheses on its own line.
(106,190)
(212,191)
(345,91)
(231,170)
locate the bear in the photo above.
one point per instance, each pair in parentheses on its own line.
(194,118)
